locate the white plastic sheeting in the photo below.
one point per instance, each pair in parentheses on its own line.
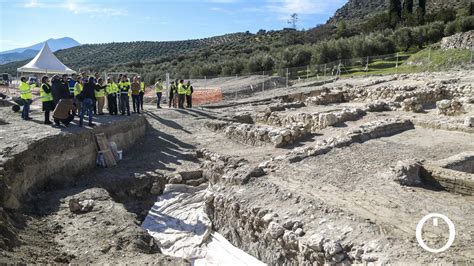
(179,222)
(46,62)
(222,252)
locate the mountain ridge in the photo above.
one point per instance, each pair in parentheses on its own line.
(54,44)
(24,53)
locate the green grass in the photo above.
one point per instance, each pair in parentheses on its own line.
(424,60)
(437,59)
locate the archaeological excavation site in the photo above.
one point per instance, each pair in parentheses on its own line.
(322,172)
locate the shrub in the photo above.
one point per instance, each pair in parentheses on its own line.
(465,24)
(450,28)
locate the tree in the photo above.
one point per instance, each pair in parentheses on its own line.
(395,12)
(422,6)
(377,22)
(341,29)
(293,21)
(403,38)
(421,11)
(408,18)
(408,6)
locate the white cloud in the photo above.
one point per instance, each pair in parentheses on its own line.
(303,7)
(77,7)
(31,4)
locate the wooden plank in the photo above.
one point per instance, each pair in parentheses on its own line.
(104,147)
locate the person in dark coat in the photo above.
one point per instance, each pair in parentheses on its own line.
(59,89)
(88,97)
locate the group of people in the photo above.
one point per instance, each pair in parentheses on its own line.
(67,96)
(179,92)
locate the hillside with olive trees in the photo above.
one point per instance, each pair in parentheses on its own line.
(395,28)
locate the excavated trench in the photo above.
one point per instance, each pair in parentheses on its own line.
(186,210)
(38,186)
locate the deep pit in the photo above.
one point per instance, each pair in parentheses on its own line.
(316,174)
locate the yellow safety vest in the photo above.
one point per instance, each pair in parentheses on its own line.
(25,90)
(181,88)
(172,88)
(142,86)
(100,93)
(77,89)
(111,88)
(124,87)
(188,90)
(158,87)
(45,97)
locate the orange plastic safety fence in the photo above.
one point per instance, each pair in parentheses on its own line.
(208,95)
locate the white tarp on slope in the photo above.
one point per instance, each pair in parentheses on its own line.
(179,221)
(46,62)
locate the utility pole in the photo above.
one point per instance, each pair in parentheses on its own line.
(396,65)
(472,52)
(287,76)
(367,65)
(339,68)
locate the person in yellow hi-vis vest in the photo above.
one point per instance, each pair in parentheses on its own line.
(142,90)
(77,90)
(159,92)
(112,91)
(189,95)
(124,88)
(181,94)
(47,99)
(27,96)
(99,93)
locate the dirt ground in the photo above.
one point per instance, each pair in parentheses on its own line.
(345,194)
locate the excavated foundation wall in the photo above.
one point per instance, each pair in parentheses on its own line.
(60,158)
(463,162)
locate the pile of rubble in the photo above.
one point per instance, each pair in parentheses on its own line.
(381,106)
(313,122)
(283,106)
(449,107)
(462,40)
(256,135)
(326,98)
(227,169)
(430,92)
(412,104)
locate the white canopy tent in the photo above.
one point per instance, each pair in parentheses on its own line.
(45,62)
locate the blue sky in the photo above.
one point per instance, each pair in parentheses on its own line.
(26,22)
